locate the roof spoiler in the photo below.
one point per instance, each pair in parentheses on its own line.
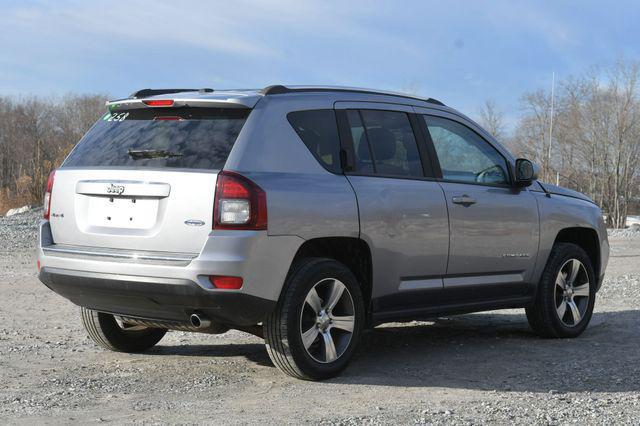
(145,93)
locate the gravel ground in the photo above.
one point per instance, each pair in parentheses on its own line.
(471,369)
(630,232)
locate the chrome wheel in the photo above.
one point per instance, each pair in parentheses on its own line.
(572,292)
(327,320)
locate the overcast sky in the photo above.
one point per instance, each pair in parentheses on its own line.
(461,52)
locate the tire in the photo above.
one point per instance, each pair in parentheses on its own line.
(311,357)
(105,331)
(552,314)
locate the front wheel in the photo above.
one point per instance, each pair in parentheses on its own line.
(316,326)
(107,332)
(566,294)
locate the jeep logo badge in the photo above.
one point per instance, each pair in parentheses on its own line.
(115,189)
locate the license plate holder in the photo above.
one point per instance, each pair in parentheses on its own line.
(123,212)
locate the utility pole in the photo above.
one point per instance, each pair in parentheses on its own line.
(553,85)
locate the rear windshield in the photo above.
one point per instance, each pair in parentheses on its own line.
(192,138)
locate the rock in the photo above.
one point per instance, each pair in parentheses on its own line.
(17,210)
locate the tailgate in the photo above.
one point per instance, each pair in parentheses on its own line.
(168,211)
(144,179)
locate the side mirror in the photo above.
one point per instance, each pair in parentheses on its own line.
(526,172)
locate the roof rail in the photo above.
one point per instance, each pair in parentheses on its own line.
(278,89)
(434,101)
(275,89)
(145,93)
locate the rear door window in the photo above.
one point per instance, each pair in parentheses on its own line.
(384,143)
(318,130)
(191,138)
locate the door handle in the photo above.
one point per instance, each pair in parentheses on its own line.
(464,200)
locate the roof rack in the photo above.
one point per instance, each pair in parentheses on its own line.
(145,93)
(278,89)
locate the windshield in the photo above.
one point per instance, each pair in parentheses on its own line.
(194,138)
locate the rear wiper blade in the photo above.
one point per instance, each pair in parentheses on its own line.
(138,154)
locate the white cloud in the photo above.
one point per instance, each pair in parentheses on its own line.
(145,21)
(236,27)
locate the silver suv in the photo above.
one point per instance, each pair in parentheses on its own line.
(305,215)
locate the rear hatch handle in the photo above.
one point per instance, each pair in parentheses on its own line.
(123,188)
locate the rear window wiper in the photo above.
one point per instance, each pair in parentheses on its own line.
(138,154)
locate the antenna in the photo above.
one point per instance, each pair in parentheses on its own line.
(553,85)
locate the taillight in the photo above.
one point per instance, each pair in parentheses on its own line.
(159,102)
(47,195)
(239,203)
(225,282)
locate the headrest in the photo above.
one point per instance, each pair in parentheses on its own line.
(315,143)
(382,142)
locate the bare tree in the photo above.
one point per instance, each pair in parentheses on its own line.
(492,119)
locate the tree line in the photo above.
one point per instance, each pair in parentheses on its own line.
(35,136)
(590,143)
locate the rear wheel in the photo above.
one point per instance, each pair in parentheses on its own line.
(117,336)
(316,326)
(566,294)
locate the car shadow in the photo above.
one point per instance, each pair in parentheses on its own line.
(254,352)
(498,351)
(485,351)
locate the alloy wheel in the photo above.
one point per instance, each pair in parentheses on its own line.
(327,320)
(572,292)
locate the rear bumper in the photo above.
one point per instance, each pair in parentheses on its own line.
(172,288)
(152,297)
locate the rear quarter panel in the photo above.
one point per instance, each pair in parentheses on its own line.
(303,198)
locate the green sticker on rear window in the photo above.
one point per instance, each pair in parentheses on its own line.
(121,116)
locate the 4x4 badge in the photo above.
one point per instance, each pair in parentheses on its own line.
(115,189)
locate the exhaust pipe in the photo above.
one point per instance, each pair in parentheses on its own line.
(196,323)
(199,321)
